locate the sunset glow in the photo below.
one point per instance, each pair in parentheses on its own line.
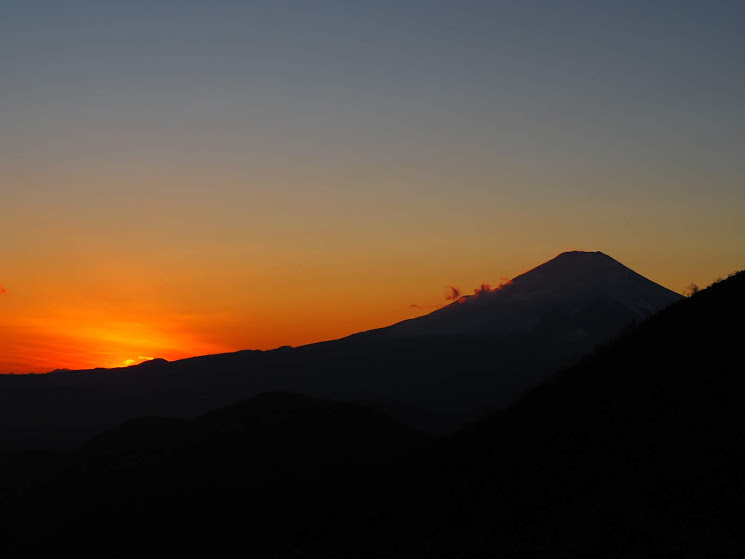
(187,180)
(122,323)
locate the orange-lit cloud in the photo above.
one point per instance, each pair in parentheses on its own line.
(451,293)
(503,282)
(483,288)
(415,306)
(3,291)
(487,287)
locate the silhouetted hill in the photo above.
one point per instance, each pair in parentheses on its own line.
(637,451)
(435,372)
(150,477)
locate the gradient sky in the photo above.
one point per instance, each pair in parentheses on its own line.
(180,178)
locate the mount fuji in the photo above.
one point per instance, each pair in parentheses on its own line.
(579,295)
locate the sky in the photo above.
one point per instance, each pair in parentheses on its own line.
(183,178)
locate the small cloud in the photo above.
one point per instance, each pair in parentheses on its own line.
(487,287)
(143,358)
(451,293)
(129,362)
(483,288)
(415,306)
(3,291)
(503,282)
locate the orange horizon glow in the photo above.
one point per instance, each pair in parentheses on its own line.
(79,342)
(38,348)
(87,337)
(131,320)
(88,334)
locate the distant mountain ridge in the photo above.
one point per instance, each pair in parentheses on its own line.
(434,372)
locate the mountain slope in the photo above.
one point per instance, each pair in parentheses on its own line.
(637,451)
(435,372)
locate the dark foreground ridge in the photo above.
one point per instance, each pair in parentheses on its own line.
(637,451)
(436,372)
(169,483)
